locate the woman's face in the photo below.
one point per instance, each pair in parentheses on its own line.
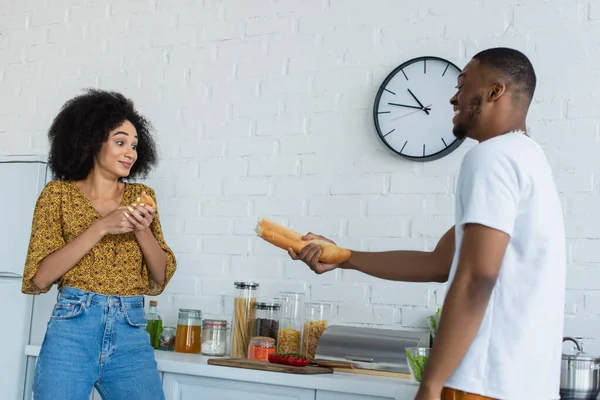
(119,153)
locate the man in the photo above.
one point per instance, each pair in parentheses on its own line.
(500,334)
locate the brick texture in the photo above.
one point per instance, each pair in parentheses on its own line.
(265,108)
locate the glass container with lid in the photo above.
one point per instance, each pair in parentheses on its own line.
(289,335)
(260,348)
(266,322)
(317,318)
(243,318)
(189,326)
(214,337)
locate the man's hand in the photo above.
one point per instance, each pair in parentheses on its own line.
(310,255)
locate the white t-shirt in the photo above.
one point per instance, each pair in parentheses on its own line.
(506,183)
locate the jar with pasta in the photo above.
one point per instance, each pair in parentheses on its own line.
(243,318)
(289,336)
(317,319)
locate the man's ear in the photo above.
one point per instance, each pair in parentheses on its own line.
(496,91)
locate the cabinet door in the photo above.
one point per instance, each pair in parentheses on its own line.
(184,387)
(325,395)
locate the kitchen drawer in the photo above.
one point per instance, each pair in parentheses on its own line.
(186,387)
(325,395)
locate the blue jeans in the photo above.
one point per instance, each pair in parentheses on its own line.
(97,340)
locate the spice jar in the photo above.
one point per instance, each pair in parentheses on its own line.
(243,318)
(166,339)
(266,322)
(315,323)
(214,337)
(289,335)
(260,347)
(189,326)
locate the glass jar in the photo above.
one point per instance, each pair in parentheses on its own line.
(260,347)
(243,318)
(289,335)
(317,317)
(166,340)
(189,326)
(214,337)
(266,322)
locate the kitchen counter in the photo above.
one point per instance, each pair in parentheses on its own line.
(342,383)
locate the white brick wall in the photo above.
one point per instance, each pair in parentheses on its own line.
(264,108)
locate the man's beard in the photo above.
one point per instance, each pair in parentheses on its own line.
(462,128)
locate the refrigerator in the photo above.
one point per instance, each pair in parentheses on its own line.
(24,317)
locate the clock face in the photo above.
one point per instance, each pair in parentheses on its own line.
(412,110)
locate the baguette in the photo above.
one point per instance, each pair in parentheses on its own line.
(286,238)
(144,199)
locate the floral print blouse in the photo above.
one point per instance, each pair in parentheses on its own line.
(114,266)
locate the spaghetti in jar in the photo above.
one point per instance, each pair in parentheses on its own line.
(243,318)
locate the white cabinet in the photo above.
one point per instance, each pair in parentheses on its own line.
(186,387)
(325,395)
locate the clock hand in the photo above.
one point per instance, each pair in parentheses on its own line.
(415,97)
(412,112)
(404,105)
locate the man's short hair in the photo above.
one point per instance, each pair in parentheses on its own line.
(513,65)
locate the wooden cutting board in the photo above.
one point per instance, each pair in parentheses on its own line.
(267,366)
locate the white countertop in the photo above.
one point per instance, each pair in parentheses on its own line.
(196,365)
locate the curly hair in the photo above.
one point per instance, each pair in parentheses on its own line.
(82,126)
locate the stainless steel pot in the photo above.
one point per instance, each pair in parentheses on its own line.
(580,375)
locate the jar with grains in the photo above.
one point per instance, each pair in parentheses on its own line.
(166,339)
(260,347)
(316,321)
(289,336)
(243,318)
(214,337)
(266,322)
(189,326)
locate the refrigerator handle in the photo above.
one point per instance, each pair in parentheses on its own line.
(6,274)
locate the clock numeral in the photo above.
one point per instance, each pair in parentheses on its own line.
(423,150)
(389,91)
(424,66)
(404,74)
(389,132)
(403,146)
(383,112)
(447,65)
(444,142)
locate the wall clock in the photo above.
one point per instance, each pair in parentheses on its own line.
(412,109)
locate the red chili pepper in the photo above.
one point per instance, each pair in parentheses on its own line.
(295,360)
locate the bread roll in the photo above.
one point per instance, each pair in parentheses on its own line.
(285,238)
(144,199)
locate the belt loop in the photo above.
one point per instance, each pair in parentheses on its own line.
(58,292)
(89,299)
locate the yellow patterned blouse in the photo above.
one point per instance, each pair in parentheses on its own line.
(114,266)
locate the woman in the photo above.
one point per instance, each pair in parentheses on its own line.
(103,254)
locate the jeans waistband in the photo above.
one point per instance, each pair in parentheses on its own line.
(70,293)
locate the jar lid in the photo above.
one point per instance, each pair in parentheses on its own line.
(246,285)
(262,341)
(267,305)
(215,322)
(190,312)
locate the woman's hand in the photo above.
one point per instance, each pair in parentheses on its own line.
(115,222)
(140,217)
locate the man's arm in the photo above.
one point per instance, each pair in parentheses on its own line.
(400,265)
(481,255)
